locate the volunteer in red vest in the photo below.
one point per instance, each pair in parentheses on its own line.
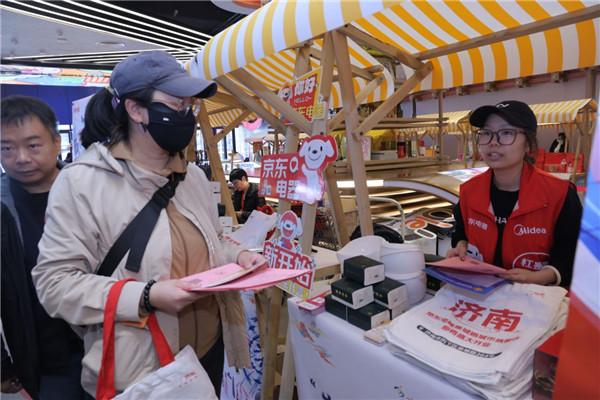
(515,215)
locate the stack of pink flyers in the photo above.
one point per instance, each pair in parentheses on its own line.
(468,265)
(235,277)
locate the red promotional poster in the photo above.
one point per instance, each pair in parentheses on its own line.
(298,176)
(302,95)
(285,253)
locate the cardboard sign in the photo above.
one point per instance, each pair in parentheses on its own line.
(303,95)
(298,176)
(284,253)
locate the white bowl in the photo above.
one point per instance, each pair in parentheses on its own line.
(403,259)
(368,246)
(416,286)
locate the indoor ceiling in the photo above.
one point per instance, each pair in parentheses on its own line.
(97,34)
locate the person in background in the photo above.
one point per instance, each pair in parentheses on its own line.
(514,215)
(45,352)
(135,133)
(559,144)
(245,195)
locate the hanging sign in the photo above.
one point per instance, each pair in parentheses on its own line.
(285,253)
(298,176)
(303,95)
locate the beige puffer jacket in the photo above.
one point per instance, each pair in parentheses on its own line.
(90,204)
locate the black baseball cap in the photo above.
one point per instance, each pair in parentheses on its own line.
(158,70)
(514,112)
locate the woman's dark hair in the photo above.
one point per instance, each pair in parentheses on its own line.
(531,138)
(237,173)
(106,123)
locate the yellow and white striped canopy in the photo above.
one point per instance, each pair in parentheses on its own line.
(258,41)
(278,69)
(560,112)
(454,119)
(224,117)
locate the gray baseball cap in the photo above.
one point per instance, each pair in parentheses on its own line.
(158,70)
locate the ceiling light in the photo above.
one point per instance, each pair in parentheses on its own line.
(110,44)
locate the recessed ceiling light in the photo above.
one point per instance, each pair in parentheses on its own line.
(111,44)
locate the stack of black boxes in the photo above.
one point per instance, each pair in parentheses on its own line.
(364,296)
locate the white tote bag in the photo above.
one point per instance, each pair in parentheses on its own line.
(180,377)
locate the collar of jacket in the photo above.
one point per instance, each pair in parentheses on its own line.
(98,155)
(530,199)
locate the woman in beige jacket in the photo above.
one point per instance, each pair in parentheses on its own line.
(135,133)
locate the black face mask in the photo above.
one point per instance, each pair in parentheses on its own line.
(171,130)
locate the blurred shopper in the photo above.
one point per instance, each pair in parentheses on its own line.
(559,144)
(45,352)
(245,195)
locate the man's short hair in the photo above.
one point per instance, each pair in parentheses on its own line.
(237,173)
(16,109)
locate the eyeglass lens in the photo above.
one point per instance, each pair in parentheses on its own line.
(503,136)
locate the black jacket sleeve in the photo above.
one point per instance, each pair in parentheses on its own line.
(566,234)
(251,202)
(459,226)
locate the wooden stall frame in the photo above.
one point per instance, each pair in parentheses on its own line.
(354,127)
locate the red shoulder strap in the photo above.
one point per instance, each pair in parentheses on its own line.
(105,388)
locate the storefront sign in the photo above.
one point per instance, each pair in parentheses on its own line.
(303,95)
(298,176)
(285,253)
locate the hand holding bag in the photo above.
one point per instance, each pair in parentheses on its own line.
(180,377)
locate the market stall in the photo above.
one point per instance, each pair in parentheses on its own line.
(284,40)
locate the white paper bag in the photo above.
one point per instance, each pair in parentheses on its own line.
(184,378)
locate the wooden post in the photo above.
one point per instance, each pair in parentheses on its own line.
(465,139)
(273,312)
(216,166)
(360,97)
(393,100)
(249,102)
(354,143)
(440,138)
(291,145)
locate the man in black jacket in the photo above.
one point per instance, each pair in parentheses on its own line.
(245,196)
(45,353)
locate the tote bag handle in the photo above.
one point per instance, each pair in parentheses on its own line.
(105,388)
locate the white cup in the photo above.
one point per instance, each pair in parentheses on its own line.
(368,246)
(403,259)
(415,286)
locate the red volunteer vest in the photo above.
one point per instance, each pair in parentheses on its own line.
(529,231)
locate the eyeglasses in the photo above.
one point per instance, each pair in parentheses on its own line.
(182,107)
(506,136)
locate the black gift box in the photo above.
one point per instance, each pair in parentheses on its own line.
(363,270)
(336,308)
(351,293)
(390,293)
(369,316)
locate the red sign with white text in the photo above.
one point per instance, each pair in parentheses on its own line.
(302,95)
(298,176)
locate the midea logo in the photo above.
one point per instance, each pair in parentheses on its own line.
(521,230)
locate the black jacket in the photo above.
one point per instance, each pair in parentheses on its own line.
(251,202)
(17,310)
(557,147)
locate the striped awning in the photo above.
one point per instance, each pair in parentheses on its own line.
(561,112)
(258,42)
(454,118)
(222,118)
(278,69)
